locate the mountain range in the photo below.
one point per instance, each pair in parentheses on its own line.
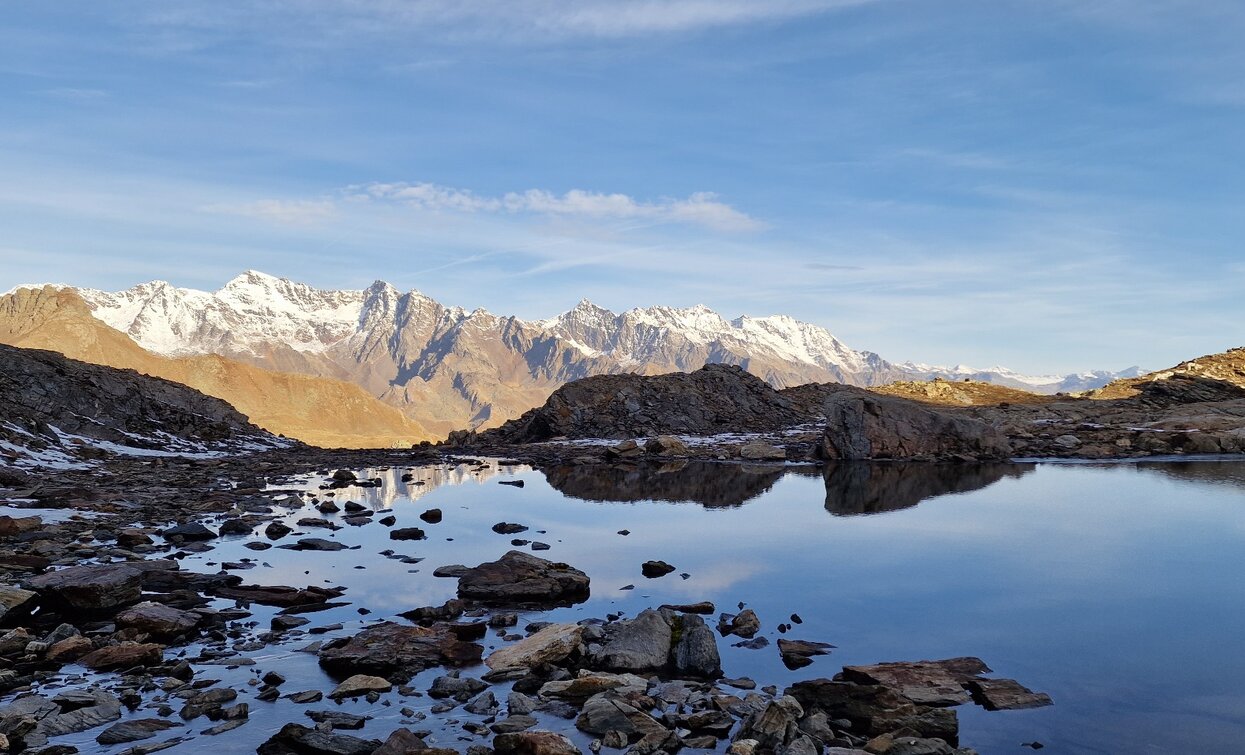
(383,365)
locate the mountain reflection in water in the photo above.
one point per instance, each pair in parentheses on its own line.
(711,484)
(851,488)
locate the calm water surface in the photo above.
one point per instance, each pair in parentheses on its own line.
(1117,589)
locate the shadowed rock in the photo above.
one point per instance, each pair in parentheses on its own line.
(521,579)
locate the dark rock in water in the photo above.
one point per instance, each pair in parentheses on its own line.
(704,607)
(534,743)
(508,528)
(399,652)
(191,532)
(539,546)
(520,579)
(344,475)
(939,683)
(134,730)
(654,569)
(279,595)
(276,531)
(879,427)
(745,624)
(237,527)
(514,723)
(447,611)
(450,570)
(756,643)
(1006,694)
(431,516)
(458,688)
(407,533)
(295,739)
(799,653)
(90,588)
(512,483)
(338,719)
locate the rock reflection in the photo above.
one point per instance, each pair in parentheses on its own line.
(1228,473)
(854,488)
(712,485)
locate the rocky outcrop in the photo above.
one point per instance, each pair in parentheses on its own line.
(42,390)
(875,427)
(714,399)
(660,640)
(520,579)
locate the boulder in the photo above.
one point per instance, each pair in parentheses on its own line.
(15,602)
(158,620)
(521,579)
(551,644)
(641,644)
(69,649)
(879,427)
(534,743)
(696,653)
(14,526)
(296,739)
(757,451)
(124,655)
(90,589)
(399,652)
(589,685)
(359,685)
(666,445)
(610,712)
(407,533)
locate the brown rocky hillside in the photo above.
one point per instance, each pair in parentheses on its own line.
(1227,367)
(316,410)
(960,393)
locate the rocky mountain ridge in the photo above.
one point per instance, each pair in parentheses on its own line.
(448,368)
(318,410)
(60,412)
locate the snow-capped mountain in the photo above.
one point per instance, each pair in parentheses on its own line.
(450,368)
(1050,384)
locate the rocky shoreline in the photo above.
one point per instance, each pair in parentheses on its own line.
(106,635)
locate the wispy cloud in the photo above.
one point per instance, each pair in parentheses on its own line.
(280,211)
(521,20)
(699,209)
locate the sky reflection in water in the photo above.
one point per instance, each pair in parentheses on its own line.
(1113,588)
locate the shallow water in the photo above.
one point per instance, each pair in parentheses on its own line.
(1114,588)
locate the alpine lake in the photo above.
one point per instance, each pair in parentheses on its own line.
(1116,588)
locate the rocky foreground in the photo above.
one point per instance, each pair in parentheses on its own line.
(106,635)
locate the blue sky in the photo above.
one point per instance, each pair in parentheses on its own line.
(1048,185)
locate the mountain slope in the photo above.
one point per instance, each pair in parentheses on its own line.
(59,412)
(1226,369)
(316,410)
